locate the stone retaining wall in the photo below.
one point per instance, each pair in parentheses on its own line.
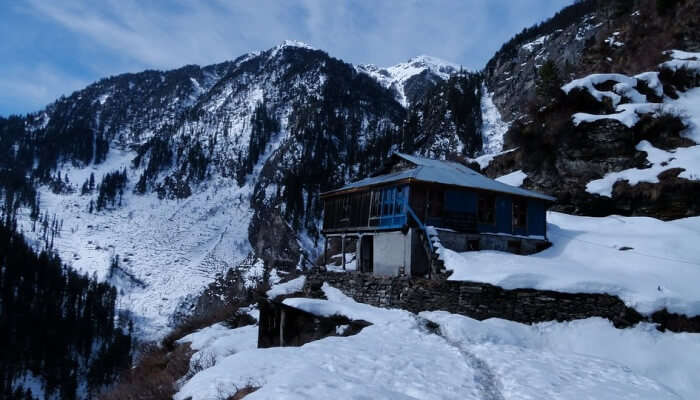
(473,299)
(460,242)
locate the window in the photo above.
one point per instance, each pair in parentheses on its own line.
(520,213)
(399,201)
(376,208)
(388,206)
(487,208)
(388,201)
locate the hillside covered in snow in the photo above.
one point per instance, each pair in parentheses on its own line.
(437,355)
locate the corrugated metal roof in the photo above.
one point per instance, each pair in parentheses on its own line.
(445,172)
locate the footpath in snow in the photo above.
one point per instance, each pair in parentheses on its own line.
(401,356)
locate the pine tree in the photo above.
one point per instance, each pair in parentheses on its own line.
(548,83)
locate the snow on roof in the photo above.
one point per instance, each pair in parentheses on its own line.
(445,172)
(515,178)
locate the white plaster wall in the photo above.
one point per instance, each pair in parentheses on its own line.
(407,251)
(392,250)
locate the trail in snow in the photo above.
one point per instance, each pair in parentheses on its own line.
(399,358)
(484,377)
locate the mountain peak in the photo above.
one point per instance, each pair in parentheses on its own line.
(290,44)
(427,60)
(396,76)
(294,43)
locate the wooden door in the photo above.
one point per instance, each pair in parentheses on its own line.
(367,254)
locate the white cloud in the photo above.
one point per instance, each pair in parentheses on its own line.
(382,32)
(116,36)
(35,87)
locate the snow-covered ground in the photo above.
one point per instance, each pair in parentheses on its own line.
(399,358)
(650,264)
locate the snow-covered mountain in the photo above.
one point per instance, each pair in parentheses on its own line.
(411,79)
(222,162)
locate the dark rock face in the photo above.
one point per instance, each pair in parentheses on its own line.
(559,158)
(671,198)
(281,325)
(417,86)
(447,119)
(512,72)
(562,164)
(473,299)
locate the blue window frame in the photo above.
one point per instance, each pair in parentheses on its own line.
(389,206)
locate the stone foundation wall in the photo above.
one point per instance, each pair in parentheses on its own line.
(476,300)
(460,242)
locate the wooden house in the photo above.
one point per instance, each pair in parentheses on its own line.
(396,217)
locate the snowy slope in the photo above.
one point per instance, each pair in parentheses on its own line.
(173,247)
(648,263)
(398,358)
(396,77)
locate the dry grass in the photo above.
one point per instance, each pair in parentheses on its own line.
(158,368)
(154,376)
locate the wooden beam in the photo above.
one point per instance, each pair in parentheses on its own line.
(342,247)
(358,254)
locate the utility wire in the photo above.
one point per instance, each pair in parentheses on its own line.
(628,251)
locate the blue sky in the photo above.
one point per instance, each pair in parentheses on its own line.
(53,47)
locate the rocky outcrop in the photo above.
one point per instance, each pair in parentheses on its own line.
(512,72)
(671,198)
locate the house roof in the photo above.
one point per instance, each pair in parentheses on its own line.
(444,172)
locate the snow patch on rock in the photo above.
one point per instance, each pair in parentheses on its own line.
(686,158)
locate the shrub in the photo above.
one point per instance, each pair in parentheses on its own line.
(154,375)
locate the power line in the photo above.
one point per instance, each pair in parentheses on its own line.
(628,251)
